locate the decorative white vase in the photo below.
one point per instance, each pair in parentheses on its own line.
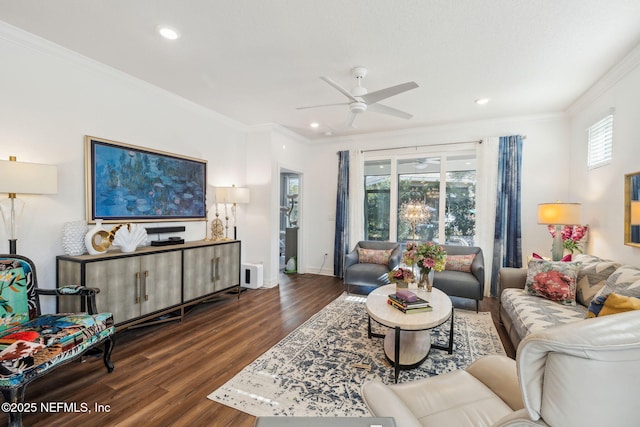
(97,239)
(73,235)
(129,236)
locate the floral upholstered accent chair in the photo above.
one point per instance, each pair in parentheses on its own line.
(32,343)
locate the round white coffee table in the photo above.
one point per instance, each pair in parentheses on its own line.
(408,340)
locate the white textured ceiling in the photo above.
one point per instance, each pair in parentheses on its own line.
(255,61)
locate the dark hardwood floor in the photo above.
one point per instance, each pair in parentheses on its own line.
(164,372)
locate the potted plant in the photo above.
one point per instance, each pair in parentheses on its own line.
(401,277)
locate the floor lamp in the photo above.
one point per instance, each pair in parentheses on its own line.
(558,215)
(22,178)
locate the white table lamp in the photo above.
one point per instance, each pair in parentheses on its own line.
(558,214)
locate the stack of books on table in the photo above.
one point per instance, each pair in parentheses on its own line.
(413,304)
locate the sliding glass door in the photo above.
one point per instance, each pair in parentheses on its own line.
(421,198)
(377,192)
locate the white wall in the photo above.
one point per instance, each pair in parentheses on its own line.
(554,166)
(601,190)
(270,149)
(51,98)
(545,176)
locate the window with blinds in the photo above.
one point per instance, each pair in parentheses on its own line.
(600,137)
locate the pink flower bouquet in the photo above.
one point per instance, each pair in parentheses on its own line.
(400,276)
(571,236)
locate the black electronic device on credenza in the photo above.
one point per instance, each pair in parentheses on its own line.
(165,230)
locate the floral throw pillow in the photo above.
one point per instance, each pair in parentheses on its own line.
(459,262)
(553,280)
(374,256)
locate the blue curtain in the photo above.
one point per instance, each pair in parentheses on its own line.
(341,242)
(507,244)
(635,195)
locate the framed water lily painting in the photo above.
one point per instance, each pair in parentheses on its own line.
(126,183)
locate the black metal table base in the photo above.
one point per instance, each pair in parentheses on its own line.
(396,362)
(449,347)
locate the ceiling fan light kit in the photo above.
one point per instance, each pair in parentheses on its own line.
(361,100)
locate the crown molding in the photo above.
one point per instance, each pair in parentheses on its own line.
(607,81)
(282,130)
(26,40)
(443,127)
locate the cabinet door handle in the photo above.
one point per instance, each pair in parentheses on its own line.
(217,268)
(213,269)
(146,277)
(137,295)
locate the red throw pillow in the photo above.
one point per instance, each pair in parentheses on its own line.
(566,258)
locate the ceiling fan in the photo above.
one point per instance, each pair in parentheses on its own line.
(360,100)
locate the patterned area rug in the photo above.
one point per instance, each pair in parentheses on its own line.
(318,369)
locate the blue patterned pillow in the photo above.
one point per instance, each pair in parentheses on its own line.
(596,305)
(612,303)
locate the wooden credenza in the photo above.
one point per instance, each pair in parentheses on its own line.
(153,284)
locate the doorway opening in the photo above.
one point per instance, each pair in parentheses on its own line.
(289,220)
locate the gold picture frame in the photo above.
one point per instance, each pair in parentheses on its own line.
(127,183)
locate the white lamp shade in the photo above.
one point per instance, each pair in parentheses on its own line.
(232,195)
(559,213)
(28,178)
(238,195)
(635,212)
(222,194)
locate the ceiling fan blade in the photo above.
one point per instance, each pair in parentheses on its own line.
(322,105)
(339,88)
(384,109)
(381,94)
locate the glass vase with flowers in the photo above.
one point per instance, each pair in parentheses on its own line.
(426,257)
(573,236)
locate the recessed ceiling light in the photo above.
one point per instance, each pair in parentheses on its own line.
(314,125)
(168,32)
(482,101)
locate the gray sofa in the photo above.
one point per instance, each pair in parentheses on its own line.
(460,283)
(368,274)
